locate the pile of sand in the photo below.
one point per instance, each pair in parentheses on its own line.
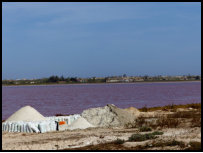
(80,123)
(26,113)
(108,116)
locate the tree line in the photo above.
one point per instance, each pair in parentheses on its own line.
(64,80)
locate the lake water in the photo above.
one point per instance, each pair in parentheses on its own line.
(70,99)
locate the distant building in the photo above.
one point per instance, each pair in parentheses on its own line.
(111,80)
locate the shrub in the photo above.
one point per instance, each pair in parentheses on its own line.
(169,143)
(144,109)
(137,137)
(150,136)
(145,129)
(175,143)
(119,141)
(158,133)
(143,137)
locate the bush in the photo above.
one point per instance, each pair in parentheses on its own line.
(53,79)
(169,143)
(119,141)
(143,137)
(145,129)
(150,136)
(144,109)
(137,137)
(158,133)
(175,143)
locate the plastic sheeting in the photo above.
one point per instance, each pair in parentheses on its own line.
(47,126)
(29,127)
(67,119)
(41,126)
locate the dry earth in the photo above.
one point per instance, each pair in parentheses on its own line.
(91,136)
(105,138)
(62,139)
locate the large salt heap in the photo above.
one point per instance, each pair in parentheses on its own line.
(28,120)
(27,114)
(108,116)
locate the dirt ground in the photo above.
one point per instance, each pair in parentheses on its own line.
(62,139)
(185,135)
(94,136)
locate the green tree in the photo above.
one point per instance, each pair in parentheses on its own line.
(62,78)
(197,77)
(124,75)
(146,77)
(53,79)
(73,79)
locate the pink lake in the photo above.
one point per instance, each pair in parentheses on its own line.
(70,99)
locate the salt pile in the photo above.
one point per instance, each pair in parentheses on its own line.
(108,116)
(80,123)
(26,113)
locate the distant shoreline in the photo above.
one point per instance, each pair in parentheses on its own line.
(103,83)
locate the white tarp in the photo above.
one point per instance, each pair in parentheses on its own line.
(69,119)
(29,127)
(38,126)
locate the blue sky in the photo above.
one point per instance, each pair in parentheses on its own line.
(100,39)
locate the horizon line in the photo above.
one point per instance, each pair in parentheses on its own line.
(102,76)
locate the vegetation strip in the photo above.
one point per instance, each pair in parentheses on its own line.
(110,79)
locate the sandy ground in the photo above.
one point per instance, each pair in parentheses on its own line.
(81,139)
(62,139)
(91,136)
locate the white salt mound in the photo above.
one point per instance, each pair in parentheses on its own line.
(26,113)
(80,123)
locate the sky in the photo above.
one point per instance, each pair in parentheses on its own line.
(100,39)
